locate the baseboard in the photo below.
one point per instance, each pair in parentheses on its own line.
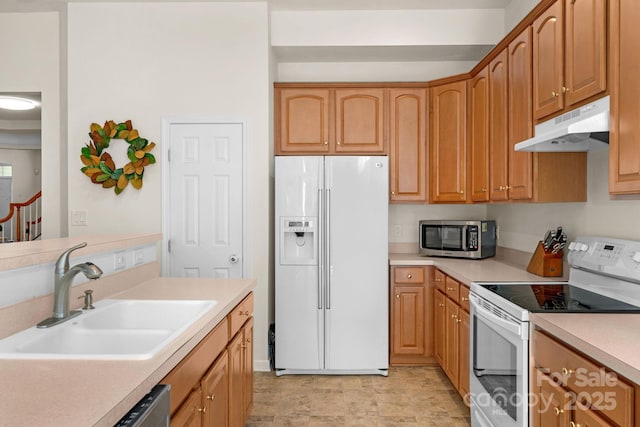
(261,366)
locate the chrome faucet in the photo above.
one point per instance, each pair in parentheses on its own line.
(63,277)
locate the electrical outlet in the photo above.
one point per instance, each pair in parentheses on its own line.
(79,217)
(397,230)
(119,260)
(138,256)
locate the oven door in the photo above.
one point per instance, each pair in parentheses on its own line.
(499,372)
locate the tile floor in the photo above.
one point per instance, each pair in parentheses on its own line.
(409,396)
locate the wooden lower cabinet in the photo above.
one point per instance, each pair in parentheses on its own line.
(569,389)
(190,413)
(451,331)
(213,385)
(241,375)
(411,328)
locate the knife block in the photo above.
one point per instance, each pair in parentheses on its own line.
(544,263)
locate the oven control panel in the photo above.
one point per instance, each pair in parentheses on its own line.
(615,257)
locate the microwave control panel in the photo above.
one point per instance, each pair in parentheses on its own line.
(472,238)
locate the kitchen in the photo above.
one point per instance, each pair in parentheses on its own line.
(60,45)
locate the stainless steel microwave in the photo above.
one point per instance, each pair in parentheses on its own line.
(457,239)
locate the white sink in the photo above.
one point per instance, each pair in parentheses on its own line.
(115,329)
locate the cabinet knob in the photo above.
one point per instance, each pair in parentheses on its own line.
(458,320)
(398,296)
(461,191)
(438,279)
(440,305)
(555,94)
(338,142)
(558,411)
(247,340)
(453,316)
(484,190)
(203,410)
(326,143)
(465,299)
(450,289)
(565,89)
(572,424)
(393,193)
(409,276)
(211,397)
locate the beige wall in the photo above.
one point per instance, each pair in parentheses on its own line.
(147,61)
(36,68)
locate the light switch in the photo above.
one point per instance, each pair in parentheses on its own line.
(119,260)
(79,217)
(138,256)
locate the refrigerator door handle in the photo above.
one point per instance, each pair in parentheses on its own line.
(320,247)
(328,250)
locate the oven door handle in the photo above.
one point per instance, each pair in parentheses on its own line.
(490,317)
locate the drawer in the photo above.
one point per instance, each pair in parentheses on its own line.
(186,375)
(464,298)
(408,275)
(452,288)
(240,314)
(440,278)
(600,389)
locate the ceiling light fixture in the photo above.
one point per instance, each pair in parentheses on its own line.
(15,103)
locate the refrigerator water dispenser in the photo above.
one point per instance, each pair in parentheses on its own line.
(298,241)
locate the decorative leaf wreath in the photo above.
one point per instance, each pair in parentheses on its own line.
(99,165)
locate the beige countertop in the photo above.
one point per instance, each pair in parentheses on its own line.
(99,392)
(467,271)
(611,339)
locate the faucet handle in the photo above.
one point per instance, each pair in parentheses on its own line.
(88,299)
(62,265)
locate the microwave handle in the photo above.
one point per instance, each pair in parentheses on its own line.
(464,238)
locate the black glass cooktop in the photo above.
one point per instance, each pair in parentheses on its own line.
(562,298)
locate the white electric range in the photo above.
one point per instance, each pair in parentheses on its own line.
(604,277)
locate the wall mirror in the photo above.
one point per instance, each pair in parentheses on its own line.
(20,166)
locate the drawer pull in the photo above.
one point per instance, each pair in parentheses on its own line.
(567,372)
(438,279)
(558,411)
(440,305)
(409,276)
(243,313)
(453,316)
(465,299)
(451,289)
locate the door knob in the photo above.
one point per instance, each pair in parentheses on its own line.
(234,259)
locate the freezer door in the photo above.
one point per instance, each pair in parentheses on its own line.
(357,293)
(298,293)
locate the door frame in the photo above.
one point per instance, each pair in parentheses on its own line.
(167,122)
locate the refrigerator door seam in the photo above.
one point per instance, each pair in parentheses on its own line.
(320,249)
(328,260)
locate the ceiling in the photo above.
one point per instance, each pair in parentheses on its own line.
(52,5)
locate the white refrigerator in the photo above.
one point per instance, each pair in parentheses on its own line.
(331,272)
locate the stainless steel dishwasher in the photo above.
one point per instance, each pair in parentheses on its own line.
(151,411)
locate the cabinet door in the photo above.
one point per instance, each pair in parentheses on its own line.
(624,143)
(479,135)
(464,363)
(190,413)
(452,341)
(520,116)
(408,320)
(303,119)
(359,121)
(498,127)
(215,389)
(548,61)
(585,49)
(236,383)
(585,417)
(552,404)
(408,144)
(448,142)
(247,367)
(439,313)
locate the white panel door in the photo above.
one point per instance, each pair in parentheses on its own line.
(299,314)
(206,200)
(5,195)
(357,316)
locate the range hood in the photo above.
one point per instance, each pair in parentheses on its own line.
(583,129)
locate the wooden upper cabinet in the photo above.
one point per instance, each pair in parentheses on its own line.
(624,139)
(359,120)
(520,116)
(479,136)
(569,55)
(448,142)
(585,49)
(319,119)
(498,128)
(408,144)
(303,121)
(548,61)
